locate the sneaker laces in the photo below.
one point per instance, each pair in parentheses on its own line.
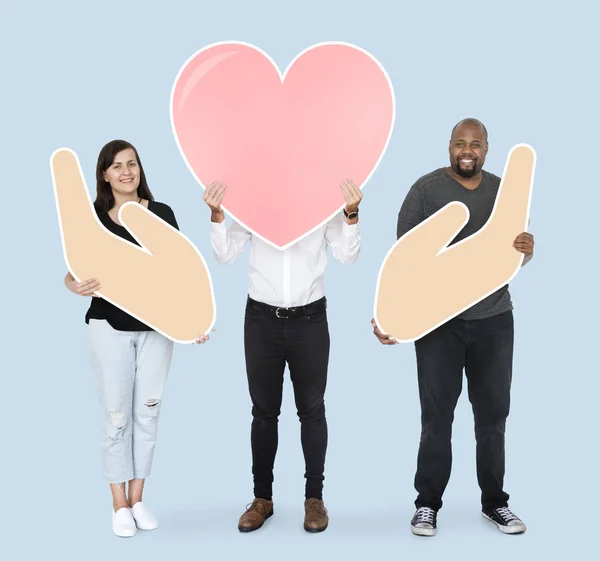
(506,514)
(425,514)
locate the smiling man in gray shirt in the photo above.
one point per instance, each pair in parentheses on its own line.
(479,341)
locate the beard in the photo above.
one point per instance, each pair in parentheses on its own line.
(467,173)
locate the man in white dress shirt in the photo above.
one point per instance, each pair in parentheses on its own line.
(286,322)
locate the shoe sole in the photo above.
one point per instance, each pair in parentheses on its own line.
(147,528)
(505,529)
(423,531)
(316,530)
(125,535)
(246,530)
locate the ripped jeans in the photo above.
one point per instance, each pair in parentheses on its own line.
(131,369)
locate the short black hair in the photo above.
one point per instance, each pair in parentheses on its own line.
(470,121)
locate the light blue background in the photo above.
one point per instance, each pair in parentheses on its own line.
(80,74)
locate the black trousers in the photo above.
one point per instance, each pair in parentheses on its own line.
(303,343)
(484,349)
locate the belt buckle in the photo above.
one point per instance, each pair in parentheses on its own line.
(277,313)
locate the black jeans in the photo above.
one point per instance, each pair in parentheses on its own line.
(484,348)
(303,343)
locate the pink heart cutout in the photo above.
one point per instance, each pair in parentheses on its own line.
(282,143)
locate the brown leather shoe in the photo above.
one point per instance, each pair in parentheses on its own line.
(315,519)
(256,514)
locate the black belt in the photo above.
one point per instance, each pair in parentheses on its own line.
(285,313)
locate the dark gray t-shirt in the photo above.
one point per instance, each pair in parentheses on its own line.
(433,192)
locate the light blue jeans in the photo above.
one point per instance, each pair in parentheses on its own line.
(131,370)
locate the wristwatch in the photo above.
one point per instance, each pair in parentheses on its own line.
(352,215)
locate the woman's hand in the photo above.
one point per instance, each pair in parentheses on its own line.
(84,288)
(203,338)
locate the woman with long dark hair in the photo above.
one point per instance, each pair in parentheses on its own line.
(130,359)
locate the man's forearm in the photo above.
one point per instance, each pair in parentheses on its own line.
(527,259)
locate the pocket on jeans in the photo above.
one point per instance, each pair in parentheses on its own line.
(317,317)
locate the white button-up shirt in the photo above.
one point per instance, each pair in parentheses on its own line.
(293,276)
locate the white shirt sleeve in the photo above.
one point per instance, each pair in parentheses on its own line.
(228,243)
(344,239)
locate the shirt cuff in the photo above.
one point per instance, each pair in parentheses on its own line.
(218,228)
(349,230)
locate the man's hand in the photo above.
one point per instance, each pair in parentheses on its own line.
(213,197)
(524,243)
(383,338)
(353,197)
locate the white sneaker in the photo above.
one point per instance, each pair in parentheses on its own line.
(123,524)
(144,519)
